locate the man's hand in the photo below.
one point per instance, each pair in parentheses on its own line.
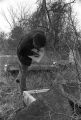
(37,58)
(36,52)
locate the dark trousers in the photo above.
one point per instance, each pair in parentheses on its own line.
(22,77)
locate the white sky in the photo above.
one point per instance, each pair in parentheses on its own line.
(4,6)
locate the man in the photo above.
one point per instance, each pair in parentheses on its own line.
(30,48)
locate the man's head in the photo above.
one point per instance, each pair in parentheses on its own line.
(39,40)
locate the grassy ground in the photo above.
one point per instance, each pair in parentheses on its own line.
(63,84)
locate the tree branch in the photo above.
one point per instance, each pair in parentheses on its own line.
(3,13)
(70,2)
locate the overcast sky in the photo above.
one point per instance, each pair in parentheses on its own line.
(4,6)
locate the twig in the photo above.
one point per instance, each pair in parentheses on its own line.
(71,2)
